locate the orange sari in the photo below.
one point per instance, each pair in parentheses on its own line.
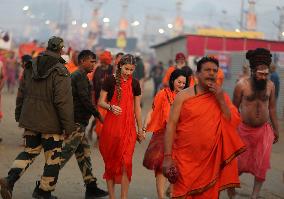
(118,136)
(154,154)
(99,125)
(161,110)
(205,148)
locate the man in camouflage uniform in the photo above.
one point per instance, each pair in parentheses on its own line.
(77,142)
(44,108)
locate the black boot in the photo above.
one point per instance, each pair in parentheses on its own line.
(36,190)
(93,191)
(40,194)
(45,195)
(6,188)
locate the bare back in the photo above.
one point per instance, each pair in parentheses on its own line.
(253,105)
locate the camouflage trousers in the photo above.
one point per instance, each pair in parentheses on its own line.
(77,144)
(34,142)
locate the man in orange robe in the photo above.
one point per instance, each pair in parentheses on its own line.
(201,140)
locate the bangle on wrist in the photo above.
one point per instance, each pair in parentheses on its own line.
(110,107)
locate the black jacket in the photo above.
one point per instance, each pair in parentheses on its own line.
(82,96)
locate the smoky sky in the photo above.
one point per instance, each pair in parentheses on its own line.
(153,13)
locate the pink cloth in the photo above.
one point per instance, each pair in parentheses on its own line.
(256,158)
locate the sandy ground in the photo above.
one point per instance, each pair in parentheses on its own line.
(70,184)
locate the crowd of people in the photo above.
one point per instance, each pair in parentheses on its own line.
(201,139)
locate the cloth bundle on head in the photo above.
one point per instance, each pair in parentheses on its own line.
(106,57)
(259,56)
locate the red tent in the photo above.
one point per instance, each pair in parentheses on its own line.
(197,45)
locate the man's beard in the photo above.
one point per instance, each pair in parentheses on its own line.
(259,85)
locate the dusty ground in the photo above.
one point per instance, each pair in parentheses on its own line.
(70,185)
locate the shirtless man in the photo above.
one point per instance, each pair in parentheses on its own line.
(254,96)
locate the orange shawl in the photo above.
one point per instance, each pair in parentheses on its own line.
(168,75)
(205,148)
(161,109)
(118,136)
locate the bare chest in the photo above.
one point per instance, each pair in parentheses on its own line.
(255,101)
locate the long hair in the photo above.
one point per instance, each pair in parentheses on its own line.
(258,57)
(125,59)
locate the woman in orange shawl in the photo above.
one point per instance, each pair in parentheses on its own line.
(156,121)
(120,95)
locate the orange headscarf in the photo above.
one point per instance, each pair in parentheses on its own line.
(106,57)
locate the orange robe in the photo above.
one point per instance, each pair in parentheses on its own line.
(168,75)
(71,67)
(161,110)
(220,77)
(154,155)
(192,81)
(118,136)
(205,148)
